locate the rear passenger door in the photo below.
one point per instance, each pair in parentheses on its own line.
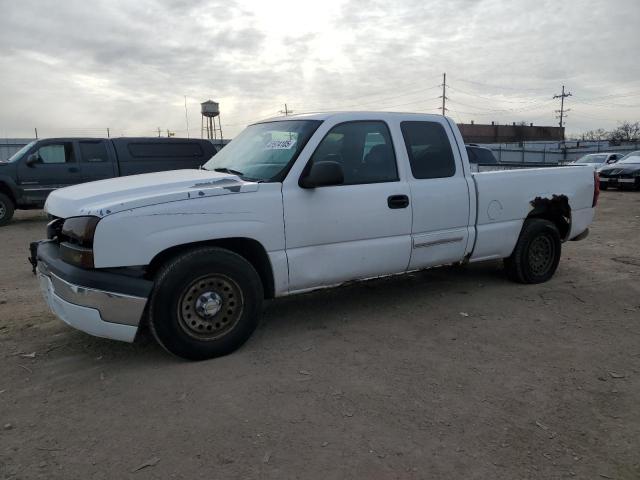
(96,160)
(439,194)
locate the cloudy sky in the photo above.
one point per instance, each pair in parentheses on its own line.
(79,66)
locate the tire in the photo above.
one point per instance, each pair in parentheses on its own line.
(206,303)
(6,209)
(537,253)
(603,186)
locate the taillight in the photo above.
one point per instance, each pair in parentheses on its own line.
(596,188)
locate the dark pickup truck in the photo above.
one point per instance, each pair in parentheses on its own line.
(40,167)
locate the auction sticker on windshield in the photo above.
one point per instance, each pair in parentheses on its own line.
(280,145)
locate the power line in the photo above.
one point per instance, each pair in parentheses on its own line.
(533,106)
(502,100)
(375,101)
(500,87)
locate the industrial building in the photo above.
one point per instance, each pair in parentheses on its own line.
(514,133)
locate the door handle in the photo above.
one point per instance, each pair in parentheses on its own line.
(398,201)
(73,169)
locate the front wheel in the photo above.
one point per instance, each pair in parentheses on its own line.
(537,253)
(206,303)
(6,209)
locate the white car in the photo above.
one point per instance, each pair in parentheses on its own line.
(598,160)
(294,204)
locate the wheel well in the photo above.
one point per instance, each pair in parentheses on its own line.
(251,250)
(555,209)
(7,191)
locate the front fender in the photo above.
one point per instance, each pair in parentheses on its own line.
(8,184)
(134,237)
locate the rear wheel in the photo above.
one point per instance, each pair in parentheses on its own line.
(537,253)
(206,303)
(6,209)
(603,186)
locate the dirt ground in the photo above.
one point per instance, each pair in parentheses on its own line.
(451,373)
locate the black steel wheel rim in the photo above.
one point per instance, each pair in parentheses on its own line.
(541,254)
(3,210)
(210,307)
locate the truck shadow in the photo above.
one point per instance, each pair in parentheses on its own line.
(361,302)
(321,308)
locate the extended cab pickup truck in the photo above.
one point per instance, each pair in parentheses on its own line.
(291,205)
(42,166)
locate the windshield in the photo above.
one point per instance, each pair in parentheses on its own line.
(633,157)
(593,158)
(19,153)
(264,151)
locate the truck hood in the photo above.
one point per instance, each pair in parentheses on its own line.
(106,197)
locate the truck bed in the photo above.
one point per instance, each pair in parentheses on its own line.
(505,197)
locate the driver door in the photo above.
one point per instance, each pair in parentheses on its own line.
(51,164)
(355,230)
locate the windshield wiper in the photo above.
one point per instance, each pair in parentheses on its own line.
(228,170)
(236,172)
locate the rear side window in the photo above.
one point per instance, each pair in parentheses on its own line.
(471,155)
(485,156)
(93,152)
(165,150)
(429,150)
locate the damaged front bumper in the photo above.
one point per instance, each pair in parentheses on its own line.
(104,304)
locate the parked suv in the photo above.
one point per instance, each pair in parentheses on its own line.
(40,167)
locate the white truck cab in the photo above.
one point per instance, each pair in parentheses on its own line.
(293,204)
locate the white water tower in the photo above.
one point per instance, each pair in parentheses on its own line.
(210,110)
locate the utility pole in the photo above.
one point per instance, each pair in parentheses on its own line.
(108,133)
(286,110)
(158,132)
(444,97)
(562,111)
(36,130)
(186,116)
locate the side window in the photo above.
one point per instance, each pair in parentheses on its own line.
(429,150)
(363,149)
(486,156)
(93,152)
(59,153)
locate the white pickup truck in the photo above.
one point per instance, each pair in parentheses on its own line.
(294,204)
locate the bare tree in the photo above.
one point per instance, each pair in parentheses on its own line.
(626,132)
(597,134)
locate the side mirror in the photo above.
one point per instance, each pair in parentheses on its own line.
(323,174)
(33,159)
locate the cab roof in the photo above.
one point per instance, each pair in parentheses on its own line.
(352,115)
